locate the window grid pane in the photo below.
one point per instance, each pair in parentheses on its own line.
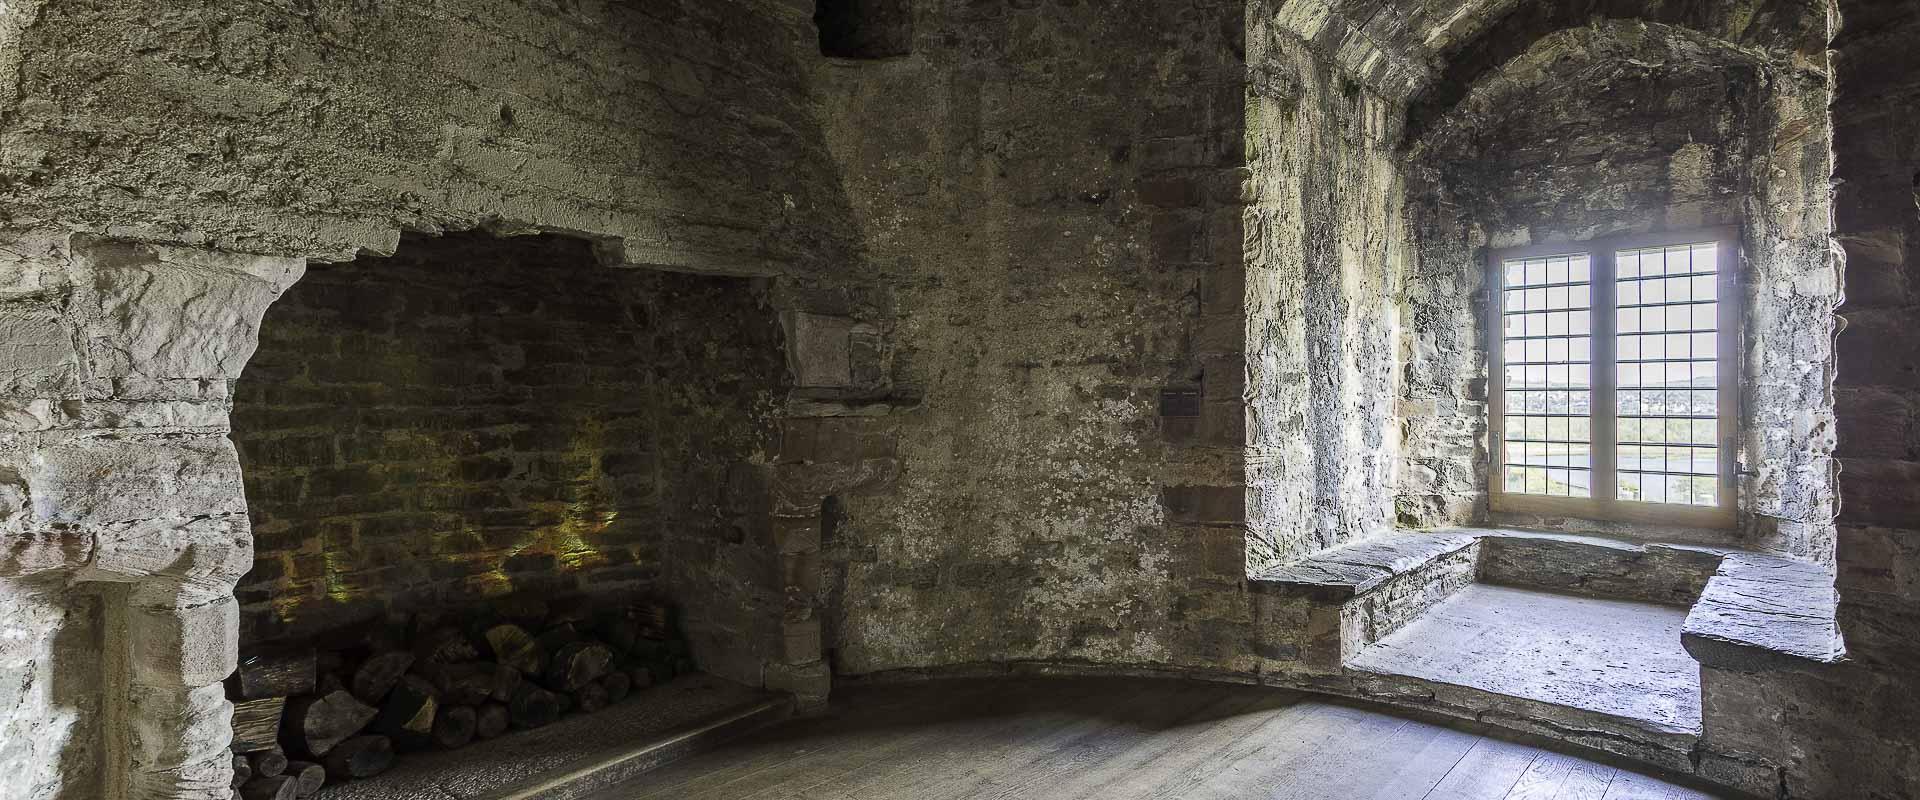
(1548,352)
(1667,374)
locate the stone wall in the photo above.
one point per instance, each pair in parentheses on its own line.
(476,417)
(1327,251)
(1877,147)
(1054,194)
(674,133)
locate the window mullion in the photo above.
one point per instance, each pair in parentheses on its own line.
(1605,375)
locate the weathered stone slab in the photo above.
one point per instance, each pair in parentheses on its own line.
(107,479)
(1765,612)
(1568,657)
(1598,567)
(1354,569)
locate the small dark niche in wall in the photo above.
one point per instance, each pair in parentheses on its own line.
(864,29)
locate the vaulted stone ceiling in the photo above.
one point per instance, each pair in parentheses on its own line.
(1396,45)
(1429,52)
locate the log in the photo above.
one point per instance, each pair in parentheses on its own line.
(269,763)
(315,724)
(641,678)
(407,715)
(278,787)
(505,680)
(274,675)
(446,646)
(378,675)
(619,632)
(307,776)
(514,647)
(577,664)
(454,727)
(467,684)
(558,636)
(256,724)
(242,770)
(491,721)
(590,698)
(533,707)
(617,685)
(360,757)
(655,620)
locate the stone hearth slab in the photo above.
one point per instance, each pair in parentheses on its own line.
(1615,658)
(581,752)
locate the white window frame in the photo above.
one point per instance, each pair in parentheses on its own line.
(1605,504)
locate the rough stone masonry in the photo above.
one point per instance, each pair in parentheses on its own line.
(1087,311)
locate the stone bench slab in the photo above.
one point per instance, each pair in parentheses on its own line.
(1764,612)
(1354,569)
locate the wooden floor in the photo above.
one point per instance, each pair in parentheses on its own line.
(1115,738)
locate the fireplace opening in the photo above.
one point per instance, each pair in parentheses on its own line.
(481,432)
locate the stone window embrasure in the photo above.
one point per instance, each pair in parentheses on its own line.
(1612,379)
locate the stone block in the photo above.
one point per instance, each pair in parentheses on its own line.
(819,350)
(1764,612)
(37,550)
(37,354)
(798,489)
(1178,237)
(797,535)
(1880,492)
(201,780)
(182,638)
(1173,190)
(800,641)
(1877,349)
(177,312)
(212,551)
(1217,334)
(107,479)
(810,684)
(1874,422)
(171,726)
(1224,424)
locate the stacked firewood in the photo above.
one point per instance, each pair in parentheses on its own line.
(305,718)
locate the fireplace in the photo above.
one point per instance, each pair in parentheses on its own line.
(480,434)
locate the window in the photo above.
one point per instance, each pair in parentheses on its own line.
(1612,380)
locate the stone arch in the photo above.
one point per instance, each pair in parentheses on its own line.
(127,497)
(1777,136)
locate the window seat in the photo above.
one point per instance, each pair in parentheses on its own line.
(1594,640)
(1762,612)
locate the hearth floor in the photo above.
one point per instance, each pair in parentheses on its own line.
(580,752)
(1612,657)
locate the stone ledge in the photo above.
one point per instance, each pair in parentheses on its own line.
(1598,566)
(1763,613)
(1355,569)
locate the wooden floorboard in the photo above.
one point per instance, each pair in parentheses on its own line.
(1119,739)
